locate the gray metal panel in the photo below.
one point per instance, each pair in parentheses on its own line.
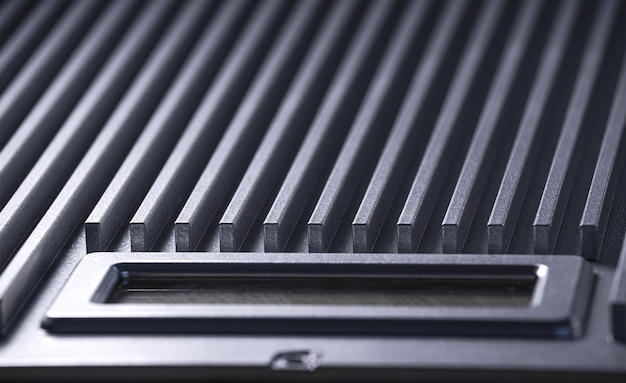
(569,148)
(12,13)
(415,118)
(26,38)
(192,151)
(249,197)
(208,137)
(337,110)
(288,127)
(606,173)
(494,122)
(92,111)
(370,127)
(526,149)
(47,116)
(452,128)
(121,196)
(38,72)
(370,113)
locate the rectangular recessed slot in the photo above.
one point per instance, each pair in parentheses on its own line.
(339,294)
(406,291)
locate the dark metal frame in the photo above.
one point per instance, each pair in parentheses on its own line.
(558,307)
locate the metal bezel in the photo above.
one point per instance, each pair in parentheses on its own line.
(557,310)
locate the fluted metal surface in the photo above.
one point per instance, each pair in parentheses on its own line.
(311,126)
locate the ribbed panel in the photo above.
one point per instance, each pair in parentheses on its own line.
(310,126)
(313,126)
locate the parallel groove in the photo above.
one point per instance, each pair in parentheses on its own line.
(45,118)
(256,109)
(11,14)
(312,81)
(201,205)
(154,79)
(607,172)
(324,140)
(376,113)
(448,132)
(477,126)
(249,197)
(279,145)
(232,84)
(489,131)
(34,77)
(571,142)
(125,191)
(524,154)
(337,112)
(15,51)
(53,167)
(168,188)
(417,114)
(67,211)
(168,192)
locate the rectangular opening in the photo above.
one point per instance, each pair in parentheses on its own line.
(514,291)
(381,294)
